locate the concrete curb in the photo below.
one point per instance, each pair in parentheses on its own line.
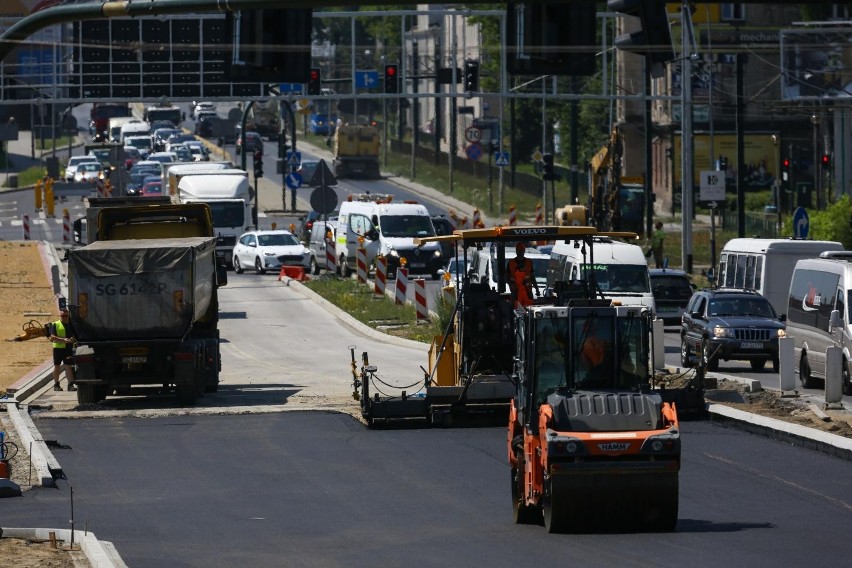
(352,323)
(34,448)
(99,554)
(809,438)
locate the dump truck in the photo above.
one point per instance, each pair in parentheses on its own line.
(356,152)
(265,119)
(143,301)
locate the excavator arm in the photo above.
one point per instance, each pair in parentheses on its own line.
(31,330)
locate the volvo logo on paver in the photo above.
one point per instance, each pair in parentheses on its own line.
(614,447)
(528,231)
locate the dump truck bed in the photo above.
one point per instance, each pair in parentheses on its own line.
(140,289)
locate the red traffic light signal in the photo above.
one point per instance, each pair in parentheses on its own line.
(786,164)
(314,80)
(392,78)
(826,161)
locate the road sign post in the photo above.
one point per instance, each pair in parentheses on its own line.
(801,223)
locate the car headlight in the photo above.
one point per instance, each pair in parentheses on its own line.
(392,252)
(267,253)
(720,331)
(782,333)
(437,253)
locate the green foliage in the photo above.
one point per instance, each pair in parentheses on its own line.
(832,223)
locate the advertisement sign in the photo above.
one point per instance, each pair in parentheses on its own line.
(816,63)
(762,158)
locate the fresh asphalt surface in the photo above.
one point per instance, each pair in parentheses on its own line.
(319,489)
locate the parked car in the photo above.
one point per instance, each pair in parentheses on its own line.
(152,188)
(269,250)
(255,142)
(307,169)
(75,161)
(89,171)
(672,291)
(730,325)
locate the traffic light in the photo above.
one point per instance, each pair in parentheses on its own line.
(548,172)
(785,172)
(654,39)
(258,164)
(826,162)
(314,80)
(471,76)
(391,78)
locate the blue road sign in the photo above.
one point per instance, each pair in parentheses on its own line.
(366,79)
(293,88)
(293,180)
(501,159)
(294,158)
(473,151)
(801,223)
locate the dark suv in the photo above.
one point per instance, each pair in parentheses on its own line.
(730,325)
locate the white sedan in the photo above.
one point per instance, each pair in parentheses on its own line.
(269,250)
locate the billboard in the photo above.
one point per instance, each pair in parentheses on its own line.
(816,63)
(762,158)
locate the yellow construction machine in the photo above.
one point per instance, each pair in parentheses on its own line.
(31,330)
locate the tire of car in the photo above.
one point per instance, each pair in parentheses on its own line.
(684,354)
(711,362)
(757,364)
(345,271)
(315,269)
(805,372)
(258,266)
(237,268)
(845,386)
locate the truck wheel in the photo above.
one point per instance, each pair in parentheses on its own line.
(101,392)
(86,394)
(345,271)
(523,514)
(315,269)
(258,266)
(237,268)
(805,372)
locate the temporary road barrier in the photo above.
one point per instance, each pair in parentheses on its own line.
(330,257)
(401,285)
(361,264)
(26,227)
(420,306)
(381,275)
(513,217)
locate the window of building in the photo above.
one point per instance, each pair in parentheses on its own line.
(732,11)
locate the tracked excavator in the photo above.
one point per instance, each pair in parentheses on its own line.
(616,203)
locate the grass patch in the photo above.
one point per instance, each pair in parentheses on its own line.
(379,313)
(29,176)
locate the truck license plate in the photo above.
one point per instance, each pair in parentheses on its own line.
(751,345)
(130,359)
(418,265)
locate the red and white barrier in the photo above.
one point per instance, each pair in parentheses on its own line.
(26,220)
(401,286)
(420,300)
(361,264)
(381,275)
(539,216)
(330,256)
(66,226)
(513,217)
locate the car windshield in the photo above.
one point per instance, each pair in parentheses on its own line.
(183,153)
(228,214)
(141,142)
(406,226)
(277,240)
(620,278)
(671,288)
(88,167)
(744,307)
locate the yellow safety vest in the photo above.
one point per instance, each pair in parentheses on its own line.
(59,332)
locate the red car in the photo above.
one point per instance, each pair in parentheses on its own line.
(152,189)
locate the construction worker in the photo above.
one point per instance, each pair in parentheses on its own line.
(62,337)
(657,239)
(521,278)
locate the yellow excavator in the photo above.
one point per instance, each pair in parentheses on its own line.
(31,330)
(616,203)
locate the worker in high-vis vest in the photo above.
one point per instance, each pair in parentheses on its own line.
(521,278)
(62,337)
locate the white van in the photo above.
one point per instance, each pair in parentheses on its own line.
(619,269)
(819,286)
(389,229)
(484,268)
(135,127)
(115,125)
(766,265)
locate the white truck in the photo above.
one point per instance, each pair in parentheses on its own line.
(115,124)
(135,127)
(227,194)
(172,172)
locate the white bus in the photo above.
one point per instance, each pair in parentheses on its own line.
(766,265)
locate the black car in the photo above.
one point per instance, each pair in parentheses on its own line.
(672,291)
(730,325)
(444,226)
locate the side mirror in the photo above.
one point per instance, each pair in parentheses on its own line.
(711,275)
(834,321)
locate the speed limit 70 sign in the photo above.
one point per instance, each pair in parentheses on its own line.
(712,186)
(473,134)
